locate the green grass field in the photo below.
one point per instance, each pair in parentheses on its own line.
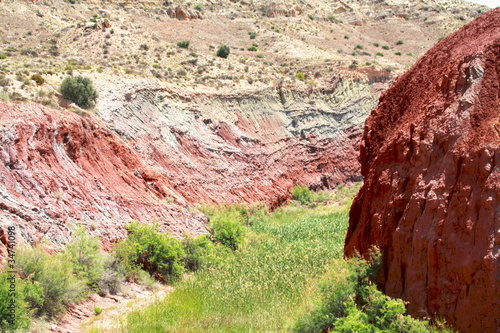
(260,288)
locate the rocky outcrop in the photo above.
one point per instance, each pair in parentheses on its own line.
(60,170)
(183,14)
(430,156)
(246,146)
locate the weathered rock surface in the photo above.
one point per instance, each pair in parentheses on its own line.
(157,151)
(245,146)
(430,156)
(59,169)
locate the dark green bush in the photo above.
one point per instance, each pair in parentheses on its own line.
(399,42)
(385,47)
(196,249)
(252,35)
(228,232)
(2,56)
(25,294)
(183,44)
(223,51)
(146,248)
(350,302)
(302,194)
(80,90)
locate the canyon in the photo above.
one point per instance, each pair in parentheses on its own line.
(430,200)
(174,128)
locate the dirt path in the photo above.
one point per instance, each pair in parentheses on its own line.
(82,318)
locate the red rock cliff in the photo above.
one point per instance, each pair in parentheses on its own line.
(431,200)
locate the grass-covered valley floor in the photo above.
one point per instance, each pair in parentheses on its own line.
(287,275)
(262,286)
(255,272)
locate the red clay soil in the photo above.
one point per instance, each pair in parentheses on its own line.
(431,199)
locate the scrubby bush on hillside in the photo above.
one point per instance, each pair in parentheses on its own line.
(183,44)
(55,275)
(84,253)
(25,294)
(223,51)
(80,90)
(38,79)
(148,249)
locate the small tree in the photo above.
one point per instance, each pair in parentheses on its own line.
(80,90)
(223,51)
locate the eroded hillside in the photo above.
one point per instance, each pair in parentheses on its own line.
(175,125)
(430,159)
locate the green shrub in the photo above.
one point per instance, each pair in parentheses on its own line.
(346,37)
(183,44)
(380,54)
(376,44)
(198,8)
(300,76)
(229,232)
(399,42)
(2,56)
(97,310)
(38,79)
(55,276)
(359,46)
(397,53)
(148,249)
(196,248)
(17,298)
(385,47)
(302,194)
(252,48)
(80,90)
(350,302)
(223,51)
(252,35)
(84,252)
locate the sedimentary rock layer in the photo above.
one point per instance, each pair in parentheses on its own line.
(431,199)
(152,153)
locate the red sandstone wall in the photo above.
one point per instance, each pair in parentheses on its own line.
(430,156)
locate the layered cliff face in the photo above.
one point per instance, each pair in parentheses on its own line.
(59,170)
(153,152)
(250,145)
(430,156)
